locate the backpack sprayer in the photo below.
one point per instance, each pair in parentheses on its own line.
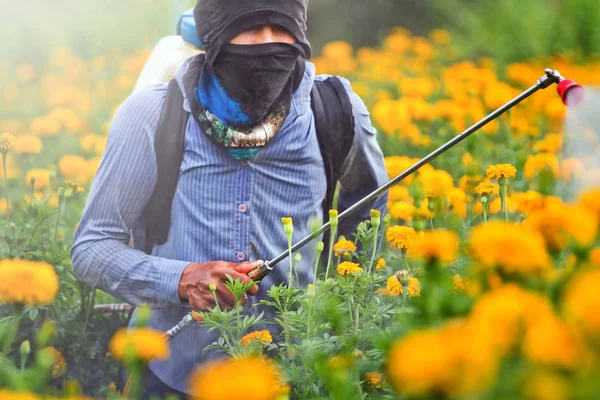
(571,93)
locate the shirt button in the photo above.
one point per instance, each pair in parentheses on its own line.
(242,208)
(240,256)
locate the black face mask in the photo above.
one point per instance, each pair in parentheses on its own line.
(260,77)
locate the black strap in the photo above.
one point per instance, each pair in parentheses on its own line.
(335,132)
(334,123)
(169,145)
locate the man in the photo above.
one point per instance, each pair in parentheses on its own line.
(254,84)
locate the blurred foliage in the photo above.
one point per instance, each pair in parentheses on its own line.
(515,30)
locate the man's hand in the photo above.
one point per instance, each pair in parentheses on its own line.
(196,278)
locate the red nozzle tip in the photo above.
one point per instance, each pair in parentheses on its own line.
(570,92)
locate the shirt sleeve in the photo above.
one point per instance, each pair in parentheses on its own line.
(363,171)
(101,255)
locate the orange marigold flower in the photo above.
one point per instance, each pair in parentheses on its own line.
(581,303)
(59,365)
(537,162)
(261,336)
(500,171)
(344,247)
(349,268)
(140,344)
(394,288)
(27,282)
(590,199)
(442,246)
(485,189)
(257,378)
(380,264)
(400,237)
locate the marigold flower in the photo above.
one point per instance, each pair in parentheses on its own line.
(528,201)
(139,343)
(442,246)
(581,303)
(288,226)
(333,218)
(349,268)
(590,199)
(402,210)
(40,176)
(400,237)
(512,248)
(561,224)
(436,183)
(256,378)
(344,247)
(394,288)
(374,379)
(31,145)
(451,361)
(500,171)
(486,189)
(10,395)
(27,282)
(260,336)
(59,365)
(74,186)
(6,141)
(381,264)
(537,162)
(595,256)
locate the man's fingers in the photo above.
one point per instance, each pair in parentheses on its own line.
(246,267)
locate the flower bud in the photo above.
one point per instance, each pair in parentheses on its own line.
(320,247)
(288,226)
(484,199)
(375,218)
(333,218)
(46,333)
(60,192)
(297,257)
(25,348)
(212,287)
(311,290)
(403,277)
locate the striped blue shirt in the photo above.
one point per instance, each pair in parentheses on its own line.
(223,209)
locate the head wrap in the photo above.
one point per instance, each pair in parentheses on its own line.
(219,21)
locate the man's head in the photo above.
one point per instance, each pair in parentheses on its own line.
(219,22)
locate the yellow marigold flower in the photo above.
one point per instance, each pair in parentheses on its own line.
(528,201)
(74,186)
(436,183)
(10,395)
(550,342)
(260,336)
(6,141)
(31,145)
(440,37)
(402,210)
(256,378)
(41,177)
(394,288)
(27,282)
(74,168)
(595,256)
(59,365)
(349,268)
(398,193)
(442,246)
(500,171)
(501,314)
(590,199)
(485,189)
(139,343)
(451,361)
(537,162)
(400,237)
(374,379)
(381,263)
(512,248)
(459,283)
(552,143)
(344,247)
(581,303)
(560,225)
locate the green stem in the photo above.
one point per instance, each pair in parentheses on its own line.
(90,308)
(405,259)
(503,191)
(374,248)
(317,259)
(308,321)
(329,257)
(290,277)
(58,212)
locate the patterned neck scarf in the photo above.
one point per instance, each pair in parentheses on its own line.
(242,100)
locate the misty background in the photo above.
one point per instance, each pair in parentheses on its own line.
(507,30)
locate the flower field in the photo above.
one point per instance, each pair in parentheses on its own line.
(486,286)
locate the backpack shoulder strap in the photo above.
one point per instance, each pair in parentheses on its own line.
(169,145)
(334,124)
